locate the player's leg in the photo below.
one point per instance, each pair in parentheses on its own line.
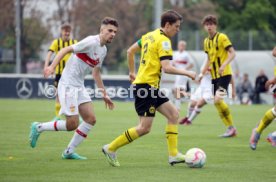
(171,113)
(265,121)
(87,113)
(220,87)
(206,97)
(193,102)
(145,108)
(57,103)
(271,138)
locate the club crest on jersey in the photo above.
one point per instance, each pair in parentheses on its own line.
(88,60)
(72,108)
(152,109)
(166,45)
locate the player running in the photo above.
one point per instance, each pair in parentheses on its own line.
(156,55)
(87,54)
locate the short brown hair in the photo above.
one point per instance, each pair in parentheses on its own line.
(111,21)
(65,26)
(170,16)
(210,19)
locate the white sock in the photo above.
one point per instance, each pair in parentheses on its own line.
(178,103)
(195,112)
(58,125)
(189,111)
(79,135)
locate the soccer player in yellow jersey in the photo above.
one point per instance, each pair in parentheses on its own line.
(220,53)
(269,116)
(55,47)
(156,55)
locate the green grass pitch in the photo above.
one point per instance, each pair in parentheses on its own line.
(145,159)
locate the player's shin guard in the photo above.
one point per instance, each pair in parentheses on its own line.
(224,113)
(125,138)
(57,125)
(57,108)
(266,120)
(79,135)
(172,140)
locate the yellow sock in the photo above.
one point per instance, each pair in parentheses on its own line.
(172,134)
(125,138)
(266,120)
(224,113)
(57,108)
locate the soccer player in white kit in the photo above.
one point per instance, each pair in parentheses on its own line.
(199,98)
(181,60)
(86,54)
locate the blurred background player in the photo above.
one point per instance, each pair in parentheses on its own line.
(202,95)
(156,55)
(269,116)
(220,54)
(87,54)
(64,41)
(181,60)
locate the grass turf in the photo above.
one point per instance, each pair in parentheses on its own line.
(144,160)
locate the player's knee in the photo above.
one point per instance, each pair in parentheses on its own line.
(72,125)
(174,116)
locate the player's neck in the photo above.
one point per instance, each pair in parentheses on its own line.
(212,34)
(102,41)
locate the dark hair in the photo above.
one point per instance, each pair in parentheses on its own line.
(111,21)
(65,26)
(210,19)
(170,16)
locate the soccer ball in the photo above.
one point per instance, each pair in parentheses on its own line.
(195,158)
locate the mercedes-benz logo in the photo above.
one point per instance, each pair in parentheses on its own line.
(24,88)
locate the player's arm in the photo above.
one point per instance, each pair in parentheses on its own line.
(204,68)
(99,82)
(48,57)
(168,68)
(50,69)
(134,48)
(231,56)
(274,51)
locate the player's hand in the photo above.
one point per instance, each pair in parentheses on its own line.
(132,77)
(192,75)
(108,102)
(270,82)
(221,69)
(48,71)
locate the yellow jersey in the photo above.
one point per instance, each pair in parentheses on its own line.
(55,47)
(216,48)
(155,47)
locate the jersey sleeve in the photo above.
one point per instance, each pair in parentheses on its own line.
(165,49)
(54,46)
(83,46)
(226,43)
(139,42)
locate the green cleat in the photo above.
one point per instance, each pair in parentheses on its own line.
(110,156)
(34,134)
(74,156)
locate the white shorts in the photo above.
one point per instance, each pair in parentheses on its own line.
(70,98)
(205,93)
(181,82)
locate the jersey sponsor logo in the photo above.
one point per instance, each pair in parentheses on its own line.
(166,45)
(85,58)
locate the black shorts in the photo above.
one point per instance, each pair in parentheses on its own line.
(221,82)
(57,78)
(148,99)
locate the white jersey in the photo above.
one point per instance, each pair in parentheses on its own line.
(206,81)
(181,59)
(88,53)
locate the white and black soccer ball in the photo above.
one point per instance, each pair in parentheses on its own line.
(195,158)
